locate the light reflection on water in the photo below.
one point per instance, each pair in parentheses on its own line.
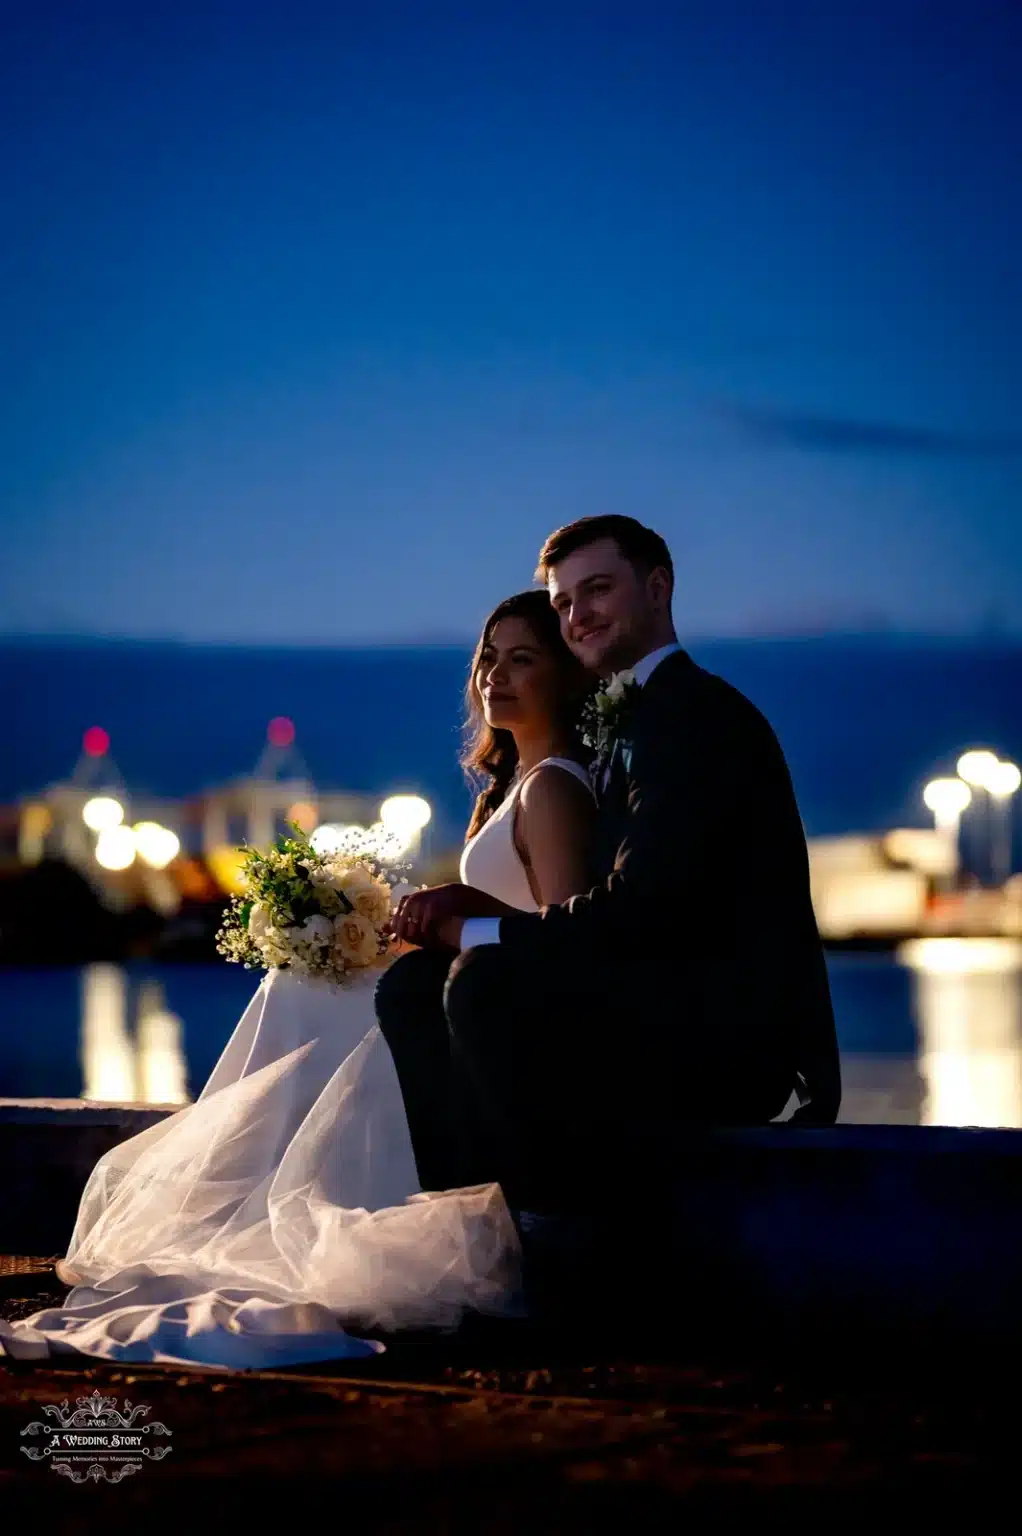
(969,1009)
(146,1066)
(933,1037)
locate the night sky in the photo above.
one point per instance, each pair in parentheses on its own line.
(317,318)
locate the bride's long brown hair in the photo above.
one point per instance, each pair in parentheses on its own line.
(490,756)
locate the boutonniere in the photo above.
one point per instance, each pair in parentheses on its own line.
(607,712)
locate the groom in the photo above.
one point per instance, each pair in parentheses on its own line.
(687,987)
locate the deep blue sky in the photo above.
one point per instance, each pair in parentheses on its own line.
(322,315)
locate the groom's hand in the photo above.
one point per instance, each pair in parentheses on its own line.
(436,916)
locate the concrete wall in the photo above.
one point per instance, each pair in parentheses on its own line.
(901,1229)
(894,1227)
(47,1149)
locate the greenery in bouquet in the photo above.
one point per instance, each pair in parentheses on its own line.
(312,912)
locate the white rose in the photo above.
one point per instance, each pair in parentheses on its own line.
(259,922)
(315,930)
(353,881)
(355,938)
(619,682)
(352,877)
(274,948)
(373,902)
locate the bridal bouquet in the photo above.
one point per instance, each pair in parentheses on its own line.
(313,913)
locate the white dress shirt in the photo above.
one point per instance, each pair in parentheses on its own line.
(486,930)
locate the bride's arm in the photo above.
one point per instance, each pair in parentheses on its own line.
(421,913)
(555,821)
(554,831)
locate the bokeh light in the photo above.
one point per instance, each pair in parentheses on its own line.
(946,797)
(303,814)
(280,732)
(115,848)
(331,837)
(225,863)
(96,741)
(405,815)
(36,820)
(977,767)
(156,845)
(961,957)
(1003,780)
(102,812)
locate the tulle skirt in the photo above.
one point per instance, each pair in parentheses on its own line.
(257,1225)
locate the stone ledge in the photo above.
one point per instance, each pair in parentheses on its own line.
(912,1140)
(869,1224)
(48,1148)
(73,1113)
(915,1140)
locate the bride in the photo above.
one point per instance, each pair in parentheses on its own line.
(250,1227)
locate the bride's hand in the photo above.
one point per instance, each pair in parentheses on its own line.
(401,947)
(422,914)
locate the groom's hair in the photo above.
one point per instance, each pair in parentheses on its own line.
(645,549)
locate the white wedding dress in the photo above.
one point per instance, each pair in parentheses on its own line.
(247,1229)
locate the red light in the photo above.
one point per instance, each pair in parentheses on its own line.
(281,732)
(96,741)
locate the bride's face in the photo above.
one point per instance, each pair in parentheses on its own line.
(516,677)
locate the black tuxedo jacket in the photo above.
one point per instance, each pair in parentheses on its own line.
(704,896)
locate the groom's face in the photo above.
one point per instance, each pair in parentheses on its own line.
(603,606)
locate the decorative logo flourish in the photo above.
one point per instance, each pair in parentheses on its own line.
(94,1441)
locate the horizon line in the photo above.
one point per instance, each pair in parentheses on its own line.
(452,641)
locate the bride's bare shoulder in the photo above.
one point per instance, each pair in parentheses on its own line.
(552,787)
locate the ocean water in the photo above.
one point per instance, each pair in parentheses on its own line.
(863,722)
(941,1046)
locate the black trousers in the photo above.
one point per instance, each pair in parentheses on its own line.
(548,1083)
(489,1065)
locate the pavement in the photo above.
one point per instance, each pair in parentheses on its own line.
(508,1425)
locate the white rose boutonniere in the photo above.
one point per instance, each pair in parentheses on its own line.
(605,718)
